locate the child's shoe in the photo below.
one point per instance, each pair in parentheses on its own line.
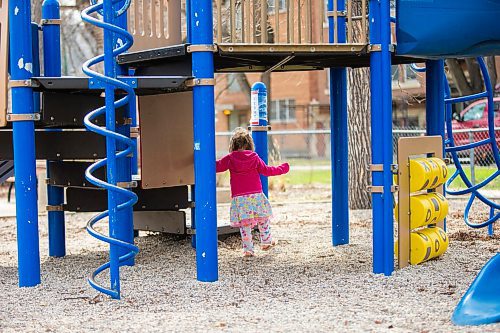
(248,254)
(267,247)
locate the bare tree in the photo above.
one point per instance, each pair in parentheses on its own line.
(36,10)
(466,74)
(79,41)
(359,129)
(241,78)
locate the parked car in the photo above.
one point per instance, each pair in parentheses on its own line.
(473,117)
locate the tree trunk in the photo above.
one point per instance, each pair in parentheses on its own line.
(359,119)
(475,77)
(492,70)
(458,77)
(36,10)
(358,96)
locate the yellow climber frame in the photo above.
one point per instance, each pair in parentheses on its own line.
(432,146)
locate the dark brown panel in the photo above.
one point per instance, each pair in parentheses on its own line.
(166,140)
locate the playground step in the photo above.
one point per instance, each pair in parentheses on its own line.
(96,200)
(84,85)
(59,145)
(254,58)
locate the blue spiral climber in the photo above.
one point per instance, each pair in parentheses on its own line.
(117,41)
(453,149)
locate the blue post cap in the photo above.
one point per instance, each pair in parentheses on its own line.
(259,86)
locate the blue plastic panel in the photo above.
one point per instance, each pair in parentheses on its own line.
(448,28)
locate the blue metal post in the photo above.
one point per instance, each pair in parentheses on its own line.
(435,98)
(339,138)
(35,45)
(258,124)
(188,21)
(111,70)
(204,143)
(124,167)
(491,232)
(21,68)
(193,216)
(52,68)
(381,125)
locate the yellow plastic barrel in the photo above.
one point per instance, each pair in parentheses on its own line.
(442,167)
(426,244)
(426,209)
(427,173)
(443,205)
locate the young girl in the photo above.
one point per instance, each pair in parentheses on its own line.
(249,206)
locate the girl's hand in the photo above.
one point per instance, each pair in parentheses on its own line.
(286,167)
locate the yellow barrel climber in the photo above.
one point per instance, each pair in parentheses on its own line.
(427,173)
(426,209)
(426,244)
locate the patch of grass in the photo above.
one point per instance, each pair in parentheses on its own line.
(481,173)
(304,177)
(307,162)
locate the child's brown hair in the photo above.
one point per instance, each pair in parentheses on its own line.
(241,140)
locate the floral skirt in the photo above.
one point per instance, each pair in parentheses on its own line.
(249,210)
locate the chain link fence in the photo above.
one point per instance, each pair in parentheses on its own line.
(309,151)
(478,163)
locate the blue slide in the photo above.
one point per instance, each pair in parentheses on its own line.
(447,28)
(481,303)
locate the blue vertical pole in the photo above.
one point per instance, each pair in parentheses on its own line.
(435,106)
(35,45)
(193,216)
(111,70)
(21,64)
(52,68)
(339,138)
(491,232)
(204,143)
(258,124)
(381,125)
(193,187)
(435,96)
(188,21)
(125,229)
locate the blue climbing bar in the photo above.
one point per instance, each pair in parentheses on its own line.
(259,126)
(21,69)
(381,124)
(339,136)
(204,140)
(110,70)
(52,68)
(124,165)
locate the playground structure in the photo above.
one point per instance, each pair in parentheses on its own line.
(175,81)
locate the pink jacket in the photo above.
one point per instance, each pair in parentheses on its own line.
(245,167)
